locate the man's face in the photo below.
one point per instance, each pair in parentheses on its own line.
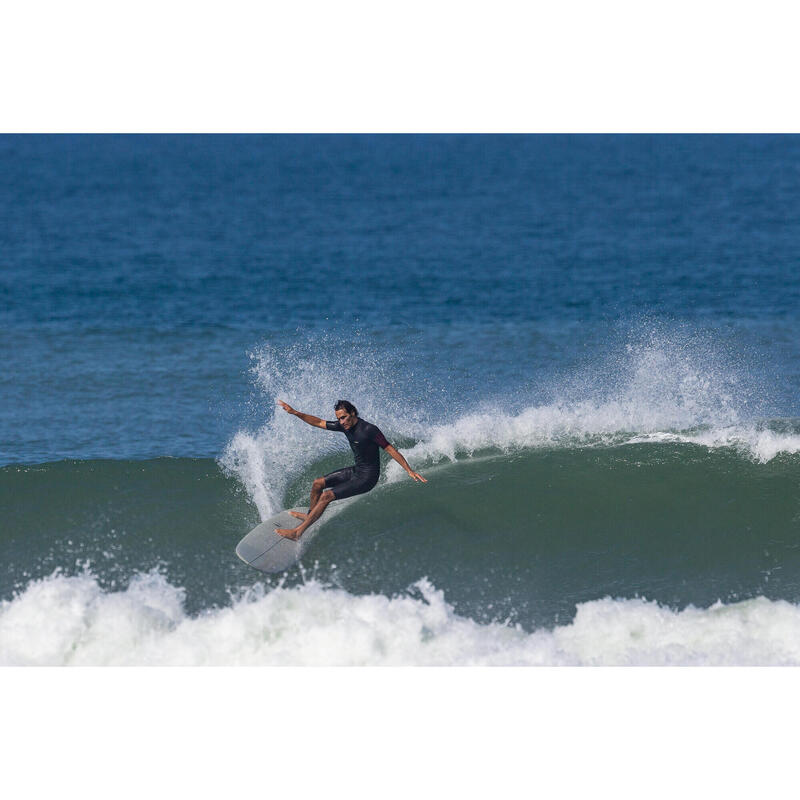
(346,420)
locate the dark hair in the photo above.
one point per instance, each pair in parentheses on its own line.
(347,406)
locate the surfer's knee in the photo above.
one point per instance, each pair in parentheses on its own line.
(319,483)
(327,497)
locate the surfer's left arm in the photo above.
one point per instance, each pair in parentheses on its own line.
(398,457)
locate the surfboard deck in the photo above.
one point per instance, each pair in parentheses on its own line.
(267,551)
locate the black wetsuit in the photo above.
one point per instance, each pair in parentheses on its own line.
(365,439)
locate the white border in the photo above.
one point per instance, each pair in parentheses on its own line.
(385,732)
(420,65)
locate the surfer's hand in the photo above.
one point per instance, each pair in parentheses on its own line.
(416,476)
(286,407)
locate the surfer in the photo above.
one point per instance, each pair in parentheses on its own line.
(365,439)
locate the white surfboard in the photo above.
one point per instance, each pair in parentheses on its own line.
(268,551)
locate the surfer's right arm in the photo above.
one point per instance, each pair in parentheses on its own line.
(309,418)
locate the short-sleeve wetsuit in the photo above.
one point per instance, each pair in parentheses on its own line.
(365,439)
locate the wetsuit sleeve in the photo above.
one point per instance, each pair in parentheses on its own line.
(379,438)
(333,426)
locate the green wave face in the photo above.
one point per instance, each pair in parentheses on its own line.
(521,536)
(528,536)
(120,517)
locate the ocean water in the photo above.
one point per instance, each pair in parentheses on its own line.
(589,346)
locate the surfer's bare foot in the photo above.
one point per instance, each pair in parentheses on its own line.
(298,514)
(289,533)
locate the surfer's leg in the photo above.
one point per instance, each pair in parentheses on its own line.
(316,491)
(314,514)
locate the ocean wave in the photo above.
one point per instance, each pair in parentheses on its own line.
(62,620)
(662,386)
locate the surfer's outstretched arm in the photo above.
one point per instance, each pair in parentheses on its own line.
(309,418)
(398,457)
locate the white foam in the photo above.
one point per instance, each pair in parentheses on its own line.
(580,426)
(63,620)
(759,443)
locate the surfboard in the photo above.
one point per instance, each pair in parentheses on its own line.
(267,551)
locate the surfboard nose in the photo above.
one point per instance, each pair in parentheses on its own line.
(268,551)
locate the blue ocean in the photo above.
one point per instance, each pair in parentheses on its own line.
(588,345)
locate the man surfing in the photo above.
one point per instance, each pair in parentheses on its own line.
(365,439)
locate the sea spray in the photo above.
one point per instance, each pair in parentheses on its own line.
(656,381)
(311,375)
